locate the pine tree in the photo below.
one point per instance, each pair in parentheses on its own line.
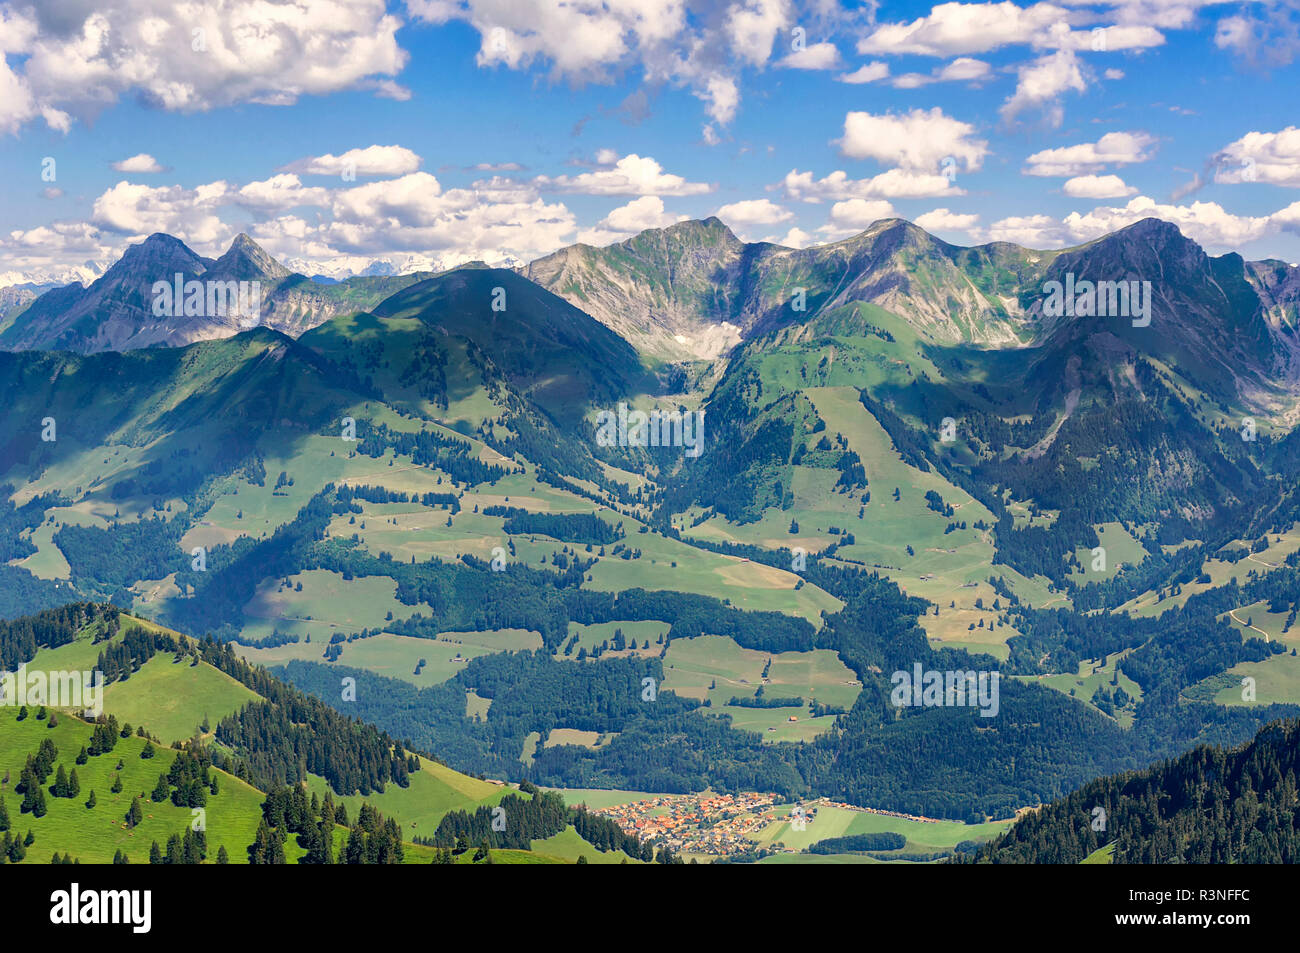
(4,815)
(34,801)
(90,801)
(222,856)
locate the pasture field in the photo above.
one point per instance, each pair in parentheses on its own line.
(169,698)
(396,656)
(476,706)
(923,837)
(1277,680)
(672,564)
(326,604)
(246,509)
(1256,622)
(409,530)
(79,655)
(716,668)
(591,635)
(1280,546)
(944,567)
(47,562)
(529,751)
(597,798)
(774,724)
(576,736)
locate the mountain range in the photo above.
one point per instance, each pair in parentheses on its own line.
(693,291)
(909,455)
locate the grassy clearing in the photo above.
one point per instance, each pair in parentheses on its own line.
(576,736)
(1121,549)
(1092,675)
(594,634)
(434,790)
(173,698)
(326,603)
(569,845)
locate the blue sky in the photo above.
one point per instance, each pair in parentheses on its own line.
(432,132)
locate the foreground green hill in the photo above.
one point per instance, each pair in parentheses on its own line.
(249,733)
(94,834)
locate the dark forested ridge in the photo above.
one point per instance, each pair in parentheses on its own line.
(1209,806)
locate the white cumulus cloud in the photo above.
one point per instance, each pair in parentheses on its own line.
(944,220)
(918,140)
(1271,157)
(1097,187)
(630,175)
(372,160)
(627,220)
(141,163)
(754,212)
(1114,148)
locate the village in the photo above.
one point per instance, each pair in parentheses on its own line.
(716,824)
(721,825)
